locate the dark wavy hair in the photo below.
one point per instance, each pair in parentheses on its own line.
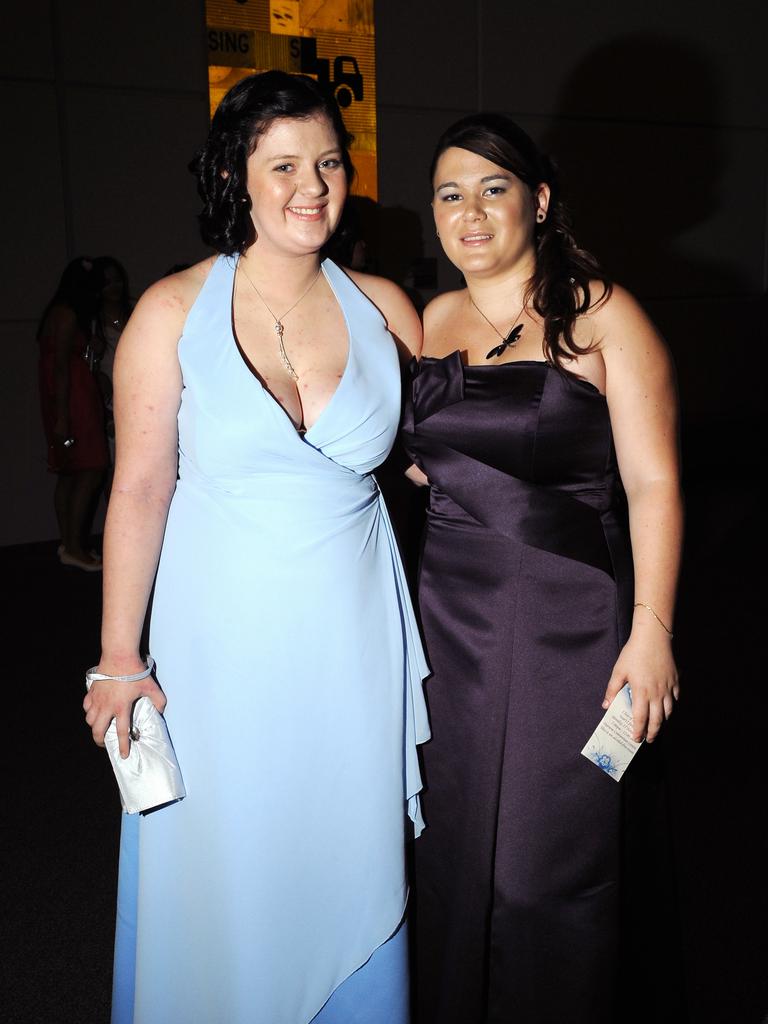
(104,263)
(561,286)
(78,290)
(245,113)
(101,265)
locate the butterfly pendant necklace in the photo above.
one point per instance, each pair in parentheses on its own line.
(508,340)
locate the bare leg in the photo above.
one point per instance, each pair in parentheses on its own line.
(85,486)
(62,497)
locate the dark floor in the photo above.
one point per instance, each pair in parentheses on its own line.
(62,816)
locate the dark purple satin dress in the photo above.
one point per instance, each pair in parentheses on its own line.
(526,597)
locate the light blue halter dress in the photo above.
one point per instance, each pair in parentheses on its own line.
(287,646)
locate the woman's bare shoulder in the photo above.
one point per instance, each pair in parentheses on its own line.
(394,305)
(630,344)
(173,296)
(440,322)
(158,319)
(382,292)
(444,305)
(617,318)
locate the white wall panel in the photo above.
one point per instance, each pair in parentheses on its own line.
(140,43)
(132,195)
(33,242)
(685,61)
(427,54)
(27,38)
(406,141)
(669,209)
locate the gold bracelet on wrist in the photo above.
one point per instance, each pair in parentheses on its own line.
(639,604)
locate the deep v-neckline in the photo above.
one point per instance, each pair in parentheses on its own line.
(251,370)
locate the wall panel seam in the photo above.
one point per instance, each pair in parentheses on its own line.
(61,122)
(72,83)
(542,115)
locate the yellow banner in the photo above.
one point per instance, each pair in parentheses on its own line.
(331,40)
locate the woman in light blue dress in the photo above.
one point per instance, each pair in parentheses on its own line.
(282,630)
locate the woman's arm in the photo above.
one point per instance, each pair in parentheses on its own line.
(63,326)
(434,315)
(417,476)
(642,400)
(147,390)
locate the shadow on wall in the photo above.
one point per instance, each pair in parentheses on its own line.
(672,202)
(637,134)
(658,189)
(385,240)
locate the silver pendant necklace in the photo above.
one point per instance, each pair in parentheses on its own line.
(278,325)
(508,340)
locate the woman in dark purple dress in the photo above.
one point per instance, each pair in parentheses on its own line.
(543,415)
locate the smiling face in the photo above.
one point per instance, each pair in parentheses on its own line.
(297,184)
(485,215)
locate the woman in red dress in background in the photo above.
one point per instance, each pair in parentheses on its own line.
(73,412)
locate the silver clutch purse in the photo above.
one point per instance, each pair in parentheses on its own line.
(150,776)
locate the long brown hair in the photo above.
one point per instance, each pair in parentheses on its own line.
(560,289)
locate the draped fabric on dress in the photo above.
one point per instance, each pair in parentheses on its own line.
(286,644)
(525,593)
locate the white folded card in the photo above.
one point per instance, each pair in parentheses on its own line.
(611,746)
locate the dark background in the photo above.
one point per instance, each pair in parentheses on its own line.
(657,114)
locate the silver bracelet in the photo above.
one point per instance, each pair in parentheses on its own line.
(92,675)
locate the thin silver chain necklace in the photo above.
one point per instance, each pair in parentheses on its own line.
(279,319)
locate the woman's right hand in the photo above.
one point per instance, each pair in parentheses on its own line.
(110,699)
(416,476)
(62,450)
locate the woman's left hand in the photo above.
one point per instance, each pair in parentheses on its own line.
(647,664)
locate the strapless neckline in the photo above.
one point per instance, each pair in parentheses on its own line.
(455,356)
